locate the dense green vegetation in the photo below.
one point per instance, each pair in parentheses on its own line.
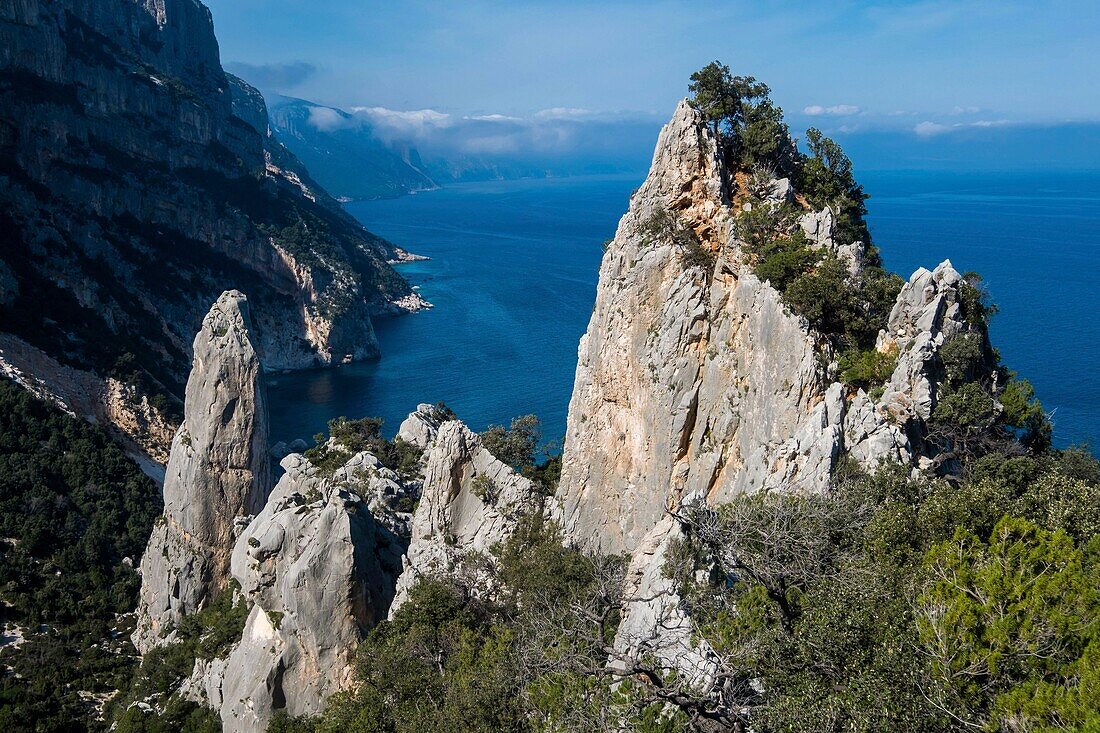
(206,635)
(910,605)
(887,604)
(75,514)
(816,284)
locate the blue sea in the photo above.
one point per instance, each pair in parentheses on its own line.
(513,275)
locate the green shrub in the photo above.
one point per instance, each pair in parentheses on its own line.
(484,489)
(516,444)
(866,368)
(962,356)
(969,408)
(975,300)
(354,436)
(826,179)
(179,716)
(665,226)
(760,225)
(823,297)
(1024,412)
(784,265)
(900,618)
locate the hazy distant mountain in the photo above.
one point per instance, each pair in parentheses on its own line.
(374,152)
(343,154)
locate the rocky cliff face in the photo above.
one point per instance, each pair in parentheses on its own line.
(470,501)
(343,152)
(144,432)
(219,473)
(138,181)
(696,383)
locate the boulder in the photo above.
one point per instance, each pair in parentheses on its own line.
(420,427)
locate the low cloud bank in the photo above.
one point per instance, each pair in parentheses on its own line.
(623,141)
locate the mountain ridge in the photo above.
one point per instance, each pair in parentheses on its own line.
(140,181)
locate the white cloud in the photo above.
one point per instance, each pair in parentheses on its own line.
(494,118)
(837,110)
(562,113)
(326,119)
(931,129)
(412,125)
(965,111)
(541,136)
(412,117)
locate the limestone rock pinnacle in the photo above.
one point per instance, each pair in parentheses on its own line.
(219,471)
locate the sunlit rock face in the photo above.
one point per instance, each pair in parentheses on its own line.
(470,502)
(318,572)
(695,382)
(218,474)
(690,382)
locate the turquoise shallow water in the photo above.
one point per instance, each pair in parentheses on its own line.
(514,268)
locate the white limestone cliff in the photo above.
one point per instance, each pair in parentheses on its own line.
(219,472)
(697,383)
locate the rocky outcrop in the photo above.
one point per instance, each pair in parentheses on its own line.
(928,312)
(820,228)
(699,383)
(138,181)
(318,572)
(470,501)
(421,427)
(315,567)
(218,474)
(656,626)
(696,383)
(689,382)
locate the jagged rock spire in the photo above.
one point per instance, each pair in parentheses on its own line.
(219,472)
(696,383)
(471,501)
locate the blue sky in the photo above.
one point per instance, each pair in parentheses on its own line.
(929,68)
